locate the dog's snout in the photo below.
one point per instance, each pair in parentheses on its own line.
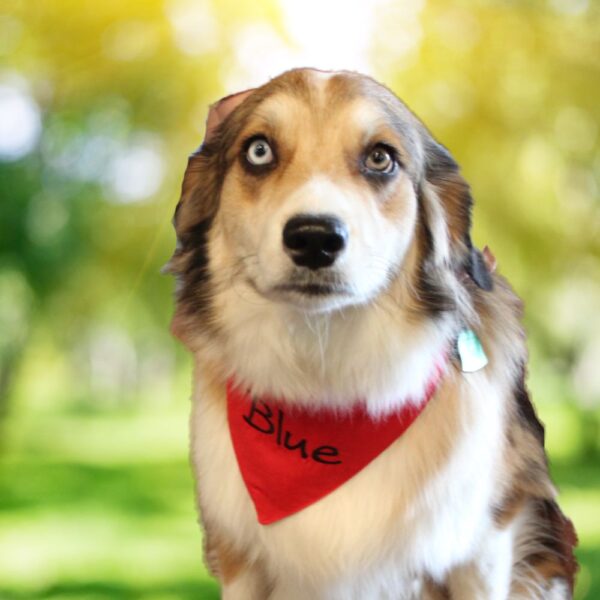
(314,241)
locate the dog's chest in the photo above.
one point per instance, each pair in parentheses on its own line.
(419,506)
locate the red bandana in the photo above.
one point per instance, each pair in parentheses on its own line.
(290,457)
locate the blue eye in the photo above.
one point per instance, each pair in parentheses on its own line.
(259,152)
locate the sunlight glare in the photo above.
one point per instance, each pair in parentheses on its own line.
(20,123)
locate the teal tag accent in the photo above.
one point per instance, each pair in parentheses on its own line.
(470,351)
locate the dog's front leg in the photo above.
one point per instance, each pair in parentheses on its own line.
(248,584)
(287,590)
(488,575)
(240,576)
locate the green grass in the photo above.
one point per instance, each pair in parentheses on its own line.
(97,507)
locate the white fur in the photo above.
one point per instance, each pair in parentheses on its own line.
(341,546)
(488,574)
(361,353)
(558,591)
(374,352)
(375,249)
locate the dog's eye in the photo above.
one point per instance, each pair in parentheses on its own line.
(259,152)
(379,159)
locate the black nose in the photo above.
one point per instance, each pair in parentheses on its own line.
(314,241)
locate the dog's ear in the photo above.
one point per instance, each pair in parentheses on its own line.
(201,187)
(477,269)
(196,207)
(447,202)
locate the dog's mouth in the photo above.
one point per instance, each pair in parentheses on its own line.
(311,284)
(313,289)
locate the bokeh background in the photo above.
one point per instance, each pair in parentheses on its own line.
(100,104)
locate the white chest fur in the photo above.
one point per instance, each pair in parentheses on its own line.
(420,507)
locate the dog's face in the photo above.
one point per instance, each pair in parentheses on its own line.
(319,203)
(320,190)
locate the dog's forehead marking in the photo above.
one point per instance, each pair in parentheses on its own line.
(322,76)
(322,91)
(359,114)
(327,109)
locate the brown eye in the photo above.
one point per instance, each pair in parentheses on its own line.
(259,152)
(380,160)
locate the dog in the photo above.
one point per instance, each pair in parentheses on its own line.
(360,426)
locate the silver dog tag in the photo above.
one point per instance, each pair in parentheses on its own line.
(470,351)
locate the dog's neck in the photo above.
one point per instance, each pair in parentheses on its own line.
(372,353)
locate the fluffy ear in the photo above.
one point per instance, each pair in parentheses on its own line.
(194,214)
(196,208)
(447,203)
(192,220)
(200,190)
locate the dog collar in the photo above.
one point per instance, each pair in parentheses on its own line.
(290,457)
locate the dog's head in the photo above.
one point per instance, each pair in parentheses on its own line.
(320,191)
